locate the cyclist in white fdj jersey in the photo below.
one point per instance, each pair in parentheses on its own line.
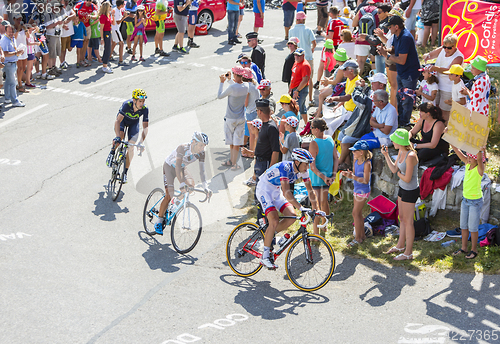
(175,166)
(273,193)
(129,116)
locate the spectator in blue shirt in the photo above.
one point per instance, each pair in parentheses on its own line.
(8,45)
(406,58)
(233,13)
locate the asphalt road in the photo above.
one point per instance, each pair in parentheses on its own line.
(78,268)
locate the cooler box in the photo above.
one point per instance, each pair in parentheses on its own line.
(201,29)
(385,207)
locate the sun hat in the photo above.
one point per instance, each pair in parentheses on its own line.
(379,77)
(243,56)
(349,64)
(346,11)
(292,121)
(141,8)
(285,98)
(427,68)
(360,145)
(455,69)
(301,15)
(299,52)
(401,137)
(480,63)
(247,73)
(263,84)
(329,44)
(340,55)
(238,70)
(475,157)
(257,123)
(294,40)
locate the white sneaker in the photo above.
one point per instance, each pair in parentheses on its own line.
(7,101)
(38,75)
(18,104)
(250,182)
(48,76)
(107,70)
(267,263)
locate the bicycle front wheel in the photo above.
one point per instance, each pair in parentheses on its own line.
(152,209)
(310,264)
(244,248)
(186,228)
(117,179)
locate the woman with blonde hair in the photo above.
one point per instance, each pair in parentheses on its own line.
(406,168)
(105,21)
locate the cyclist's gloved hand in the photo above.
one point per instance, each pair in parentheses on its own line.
(117,139)
(305,210)
(321,213)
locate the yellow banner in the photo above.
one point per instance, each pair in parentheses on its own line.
(467,130)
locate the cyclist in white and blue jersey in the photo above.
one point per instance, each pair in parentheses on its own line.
(175,167)
(273,193)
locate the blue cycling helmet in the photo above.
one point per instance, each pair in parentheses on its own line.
(200,137)
(302,155)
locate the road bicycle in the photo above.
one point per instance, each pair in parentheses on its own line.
(182,215)
(309,262)
(118,167)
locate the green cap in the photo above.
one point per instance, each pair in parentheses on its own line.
(480,63)
(401,137)
(329,44)
(340,55)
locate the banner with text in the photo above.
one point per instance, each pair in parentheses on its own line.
(467,130)
(477,25)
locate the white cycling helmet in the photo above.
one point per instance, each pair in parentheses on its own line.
(200,137)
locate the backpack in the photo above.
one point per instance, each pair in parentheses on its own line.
(422,228)
(367,24)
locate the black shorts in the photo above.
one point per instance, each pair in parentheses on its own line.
(429,23)
(409,196)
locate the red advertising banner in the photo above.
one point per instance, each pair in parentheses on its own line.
(477,25)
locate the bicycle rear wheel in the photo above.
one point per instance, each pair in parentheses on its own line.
(117,178)
(311,273)
(244,248)
(186,228)
(151,209)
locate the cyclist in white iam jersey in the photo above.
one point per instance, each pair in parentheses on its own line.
(273,193)
(175,167)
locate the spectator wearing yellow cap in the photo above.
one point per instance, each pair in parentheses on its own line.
(291,108)
(455,74)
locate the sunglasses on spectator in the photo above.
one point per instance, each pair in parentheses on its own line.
(449,48)
(244,62)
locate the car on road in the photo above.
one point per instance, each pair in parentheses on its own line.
(209,12)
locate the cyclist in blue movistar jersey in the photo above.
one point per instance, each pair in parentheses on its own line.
(129,116)
(175,166)
(273,193)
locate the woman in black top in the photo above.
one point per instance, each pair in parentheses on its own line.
(431,127)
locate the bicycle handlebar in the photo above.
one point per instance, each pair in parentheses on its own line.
(208,195)
(310,215)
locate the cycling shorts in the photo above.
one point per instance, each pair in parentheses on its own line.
(133,130)
(169,176)
(160,26)
(270,198)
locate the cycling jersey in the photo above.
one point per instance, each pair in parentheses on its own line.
(183,151)
(129,116)
(281,171)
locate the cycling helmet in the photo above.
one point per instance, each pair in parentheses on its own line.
(302,155)
(139,93)
(200,137)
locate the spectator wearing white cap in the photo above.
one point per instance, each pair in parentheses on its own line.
(307,41)
(257,125)
(266,93)
(292,44)
(234,120)
(291,141)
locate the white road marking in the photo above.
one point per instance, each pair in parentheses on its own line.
(124,77)
(7,122)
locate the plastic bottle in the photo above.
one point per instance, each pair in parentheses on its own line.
(448,243)
(283,239)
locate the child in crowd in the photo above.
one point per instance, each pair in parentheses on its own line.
(139,35)
(455,74)
(30,48)
(95,40)
(472,200)
(335,27)
(361,177)
(257,124)
(291,141)
(291,108)
(77,41)
(429,86)
(326,63)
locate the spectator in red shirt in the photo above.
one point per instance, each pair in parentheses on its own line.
(335,27)
(84,11)
(105,22)
(301,72)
